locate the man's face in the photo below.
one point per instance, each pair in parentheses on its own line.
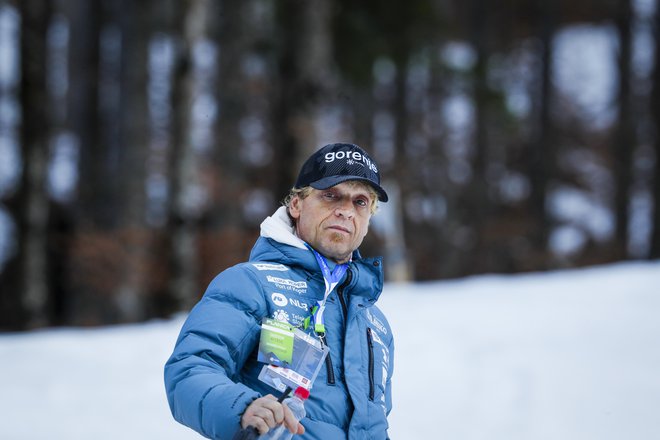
(334,221)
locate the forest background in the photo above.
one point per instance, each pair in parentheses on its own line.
(143,142)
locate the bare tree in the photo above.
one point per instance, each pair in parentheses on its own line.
(83,114)
(293,93)
(233,97)
(12,313)
(189,26)
(477,202)
(625,139)
(654,251)
(305,78)
(135,25)
(32,197)
(542,154)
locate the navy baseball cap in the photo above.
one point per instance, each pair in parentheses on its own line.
(337,163)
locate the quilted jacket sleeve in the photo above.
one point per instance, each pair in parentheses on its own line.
(215,341)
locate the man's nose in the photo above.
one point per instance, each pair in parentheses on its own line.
(345,209)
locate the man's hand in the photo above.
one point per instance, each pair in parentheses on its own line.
(266,413)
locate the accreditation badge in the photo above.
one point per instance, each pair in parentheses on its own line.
(276,342)
(294,358)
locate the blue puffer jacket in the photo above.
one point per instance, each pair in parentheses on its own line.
(212,375)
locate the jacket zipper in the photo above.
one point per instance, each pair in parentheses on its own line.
(340,293)
(370,344)
(328,364)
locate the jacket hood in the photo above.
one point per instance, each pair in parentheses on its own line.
(278,242)
(279,228)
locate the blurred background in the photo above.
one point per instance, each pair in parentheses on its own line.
(142,143)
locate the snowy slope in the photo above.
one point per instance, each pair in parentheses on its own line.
(571,355)
(565,355)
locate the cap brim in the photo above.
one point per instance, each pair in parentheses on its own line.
(328,182)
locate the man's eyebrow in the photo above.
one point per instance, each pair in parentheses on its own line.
(362,193)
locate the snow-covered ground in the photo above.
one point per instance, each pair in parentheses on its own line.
(571,355)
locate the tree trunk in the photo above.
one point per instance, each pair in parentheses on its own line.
(406,260)
(542,153)
(32,221)
(300,88)
(94,208)
(133,155)
(183,262)
(96,255)
(12,313)
(654,251)
(625,139)
(477,202)
(233,97)
(90,209)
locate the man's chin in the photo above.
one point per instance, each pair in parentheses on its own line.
(336,254)
(338,237)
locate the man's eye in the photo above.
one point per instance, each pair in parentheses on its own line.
(329,195)
(361,202)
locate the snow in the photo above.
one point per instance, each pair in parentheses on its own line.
(567,355)
(562,355)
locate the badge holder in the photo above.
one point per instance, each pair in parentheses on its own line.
(294,357)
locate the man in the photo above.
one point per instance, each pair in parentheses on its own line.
(304,269)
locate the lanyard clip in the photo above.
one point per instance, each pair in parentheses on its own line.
(319,328)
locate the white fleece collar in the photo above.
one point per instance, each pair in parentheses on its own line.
(278,227)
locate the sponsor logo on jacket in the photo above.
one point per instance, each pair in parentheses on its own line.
(281,300)
(378,325)
(287,316)
(286,284)
(270,266)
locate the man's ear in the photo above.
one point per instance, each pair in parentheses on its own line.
(294,207)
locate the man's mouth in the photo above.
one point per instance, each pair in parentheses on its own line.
(339,228)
